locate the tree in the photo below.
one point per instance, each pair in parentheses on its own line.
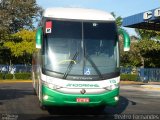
(146,34)
(15,16)
(118,19)
(149,47)
(22,46)
(149,50)
(18,14)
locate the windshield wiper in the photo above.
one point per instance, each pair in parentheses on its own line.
(70,66)
(95,67)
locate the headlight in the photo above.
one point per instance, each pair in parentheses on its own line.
(112,87)
(52,86)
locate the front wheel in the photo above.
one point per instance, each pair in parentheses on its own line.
(34,91)
(43,107)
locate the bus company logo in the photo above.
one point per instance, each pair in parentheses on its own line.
(83,91)
(83,85)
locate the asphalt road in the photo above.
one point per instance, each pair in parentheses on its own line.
(17,101)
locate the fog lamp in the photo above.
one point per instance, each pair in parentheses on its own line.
(116,98)
(45,97)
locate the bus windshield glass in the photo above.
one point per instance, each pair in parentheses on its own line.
(80,48)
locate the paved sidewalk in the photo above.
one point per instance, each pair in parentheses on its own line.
(140,85)
(151,87)
(14,81)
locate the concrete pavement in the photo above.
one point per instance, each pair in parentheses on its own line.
(151,87)
(140,85)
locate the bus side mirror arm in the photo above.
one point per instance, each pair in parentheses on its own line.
(126,39)
(39,38)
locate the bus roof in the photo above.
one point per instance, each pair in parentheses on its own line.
(78,14)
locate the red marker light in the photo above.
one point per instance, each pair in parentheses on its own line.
(49,24)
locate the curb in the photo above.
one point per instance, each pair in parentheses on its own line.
(151,87)
(15,81)
(131,83)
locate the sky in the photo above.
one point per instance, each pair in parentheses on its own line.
(121,8)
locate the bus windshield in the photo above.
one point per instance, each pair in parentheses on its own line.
(81,48)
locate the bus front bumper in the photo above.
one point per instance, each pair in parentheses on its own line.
(53,98)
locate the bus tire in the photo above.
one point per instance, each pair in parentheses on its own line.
(34,92)
(42,106)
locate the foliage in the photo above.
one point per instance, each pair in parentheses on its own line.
(17,22)
(6,76)
(149,50)
(18,14)
(22,76)
(149,47)
(146,34)
(144,52)
(22,45)
(129,77)
(118,19)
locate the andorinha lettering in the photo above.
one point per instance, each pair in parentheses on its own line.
(82,85)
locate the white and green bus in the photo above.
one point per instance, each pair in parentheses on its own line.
(77,58)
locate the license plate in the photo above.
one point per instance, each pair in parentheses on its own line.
(82,100)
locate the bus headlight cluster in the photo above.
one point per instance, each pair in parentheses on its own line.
(52,86)
(112,87)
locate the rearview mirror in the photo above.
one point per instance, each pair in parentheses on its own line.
(126,39)
(39,37)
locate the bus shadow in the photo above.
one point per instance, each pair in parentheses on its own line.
(86,114)
(80,117)
(121,107)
